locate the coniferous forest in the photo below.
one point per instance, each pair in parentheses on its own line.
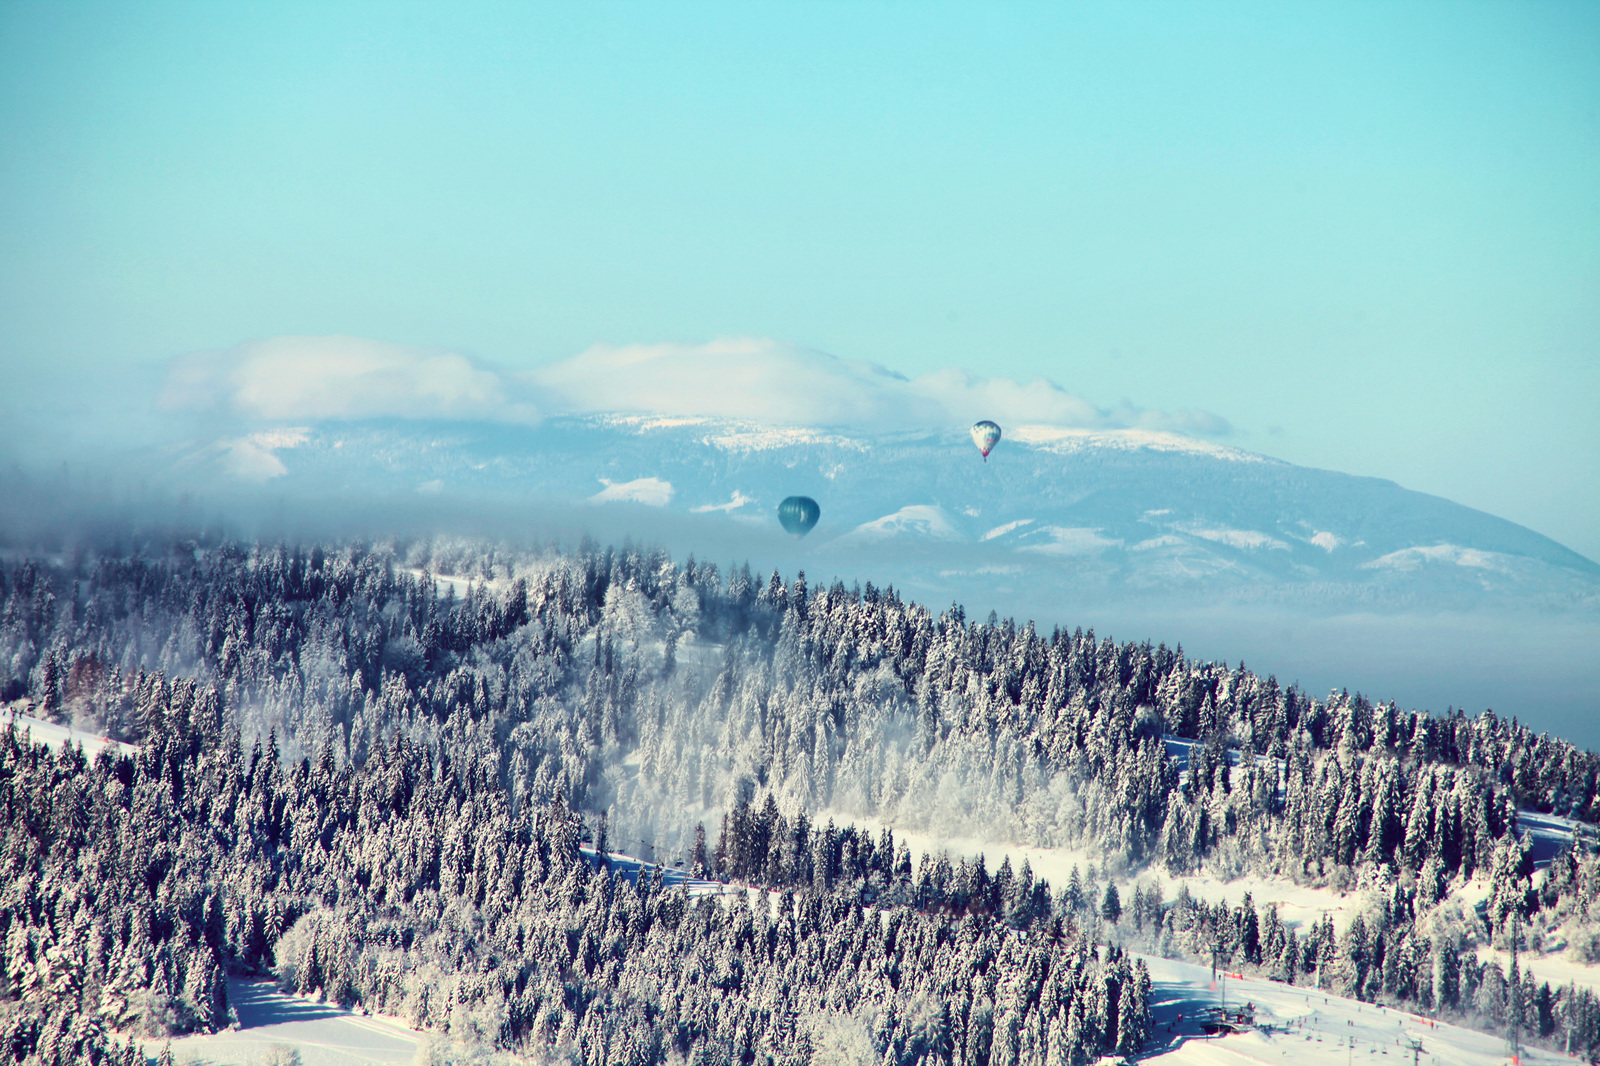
(390,774)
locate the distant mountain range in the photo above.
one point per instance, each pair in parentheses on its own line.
(1120,514)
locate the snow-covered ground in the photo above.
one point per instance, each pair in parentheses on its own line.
(1301,1025)
(325,1034)
(55,736)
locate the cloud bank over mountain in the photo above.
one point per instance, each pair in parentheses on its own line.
(342,378)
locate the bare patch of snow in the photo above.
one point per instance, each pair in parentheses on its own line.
(996,571)
(1408,559)
(1000,531)
(921,519)
(1062,440)
(1247,539)
(253,458)
(1166,540)
(758,438)
(739,500)
(650,491)
(645,423)
(1069,540)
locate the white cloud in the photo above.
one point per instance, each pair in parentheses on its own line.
(338,377)
(766,381)
(761,380)
(747,379)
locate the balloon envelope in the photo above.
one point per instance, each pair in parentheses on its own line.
(986,435)
(798,514)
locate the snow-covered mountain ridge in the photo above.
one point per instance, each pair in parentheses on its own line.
(1127,513)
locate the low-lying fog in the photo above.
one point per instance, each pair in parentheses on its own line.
(1538,666)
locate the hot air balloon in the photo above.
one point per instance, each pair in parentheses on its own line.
(986,435)
(798,514)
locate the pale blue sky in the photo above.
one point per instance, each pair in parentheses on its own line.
(1366,235)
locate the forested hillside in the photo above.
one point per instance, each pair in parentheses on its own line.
(417,747)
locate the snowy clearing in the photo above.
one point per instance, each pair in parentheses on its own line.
(447,583)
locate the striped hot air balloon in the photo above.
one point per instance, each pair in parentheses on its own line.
(986,435)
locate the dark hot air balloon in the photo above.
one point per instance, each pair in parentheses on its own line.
(798,514)
(986,435)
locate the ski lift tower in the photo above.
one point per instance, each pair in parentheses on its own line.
(1516,991)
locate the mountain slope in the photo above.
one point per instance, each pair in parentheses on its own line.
(1127,513)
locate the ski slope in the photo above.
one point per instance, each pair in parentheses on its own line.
(325,1034)
(1301,1025)
(1294,1023)
(54,736)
